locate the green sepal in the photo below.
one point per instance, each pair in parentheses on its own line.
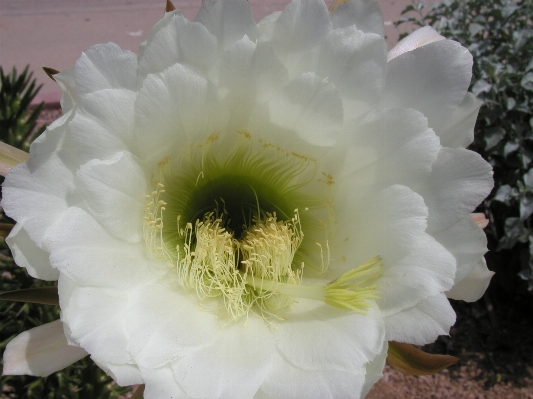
(50,72)
(336,4)
(409,360)
(42,295)
(138,393)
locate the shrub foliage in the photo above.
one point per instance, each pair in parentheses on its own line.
(499,34)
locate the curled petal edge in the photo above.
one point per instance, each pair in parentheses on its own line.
(40,351)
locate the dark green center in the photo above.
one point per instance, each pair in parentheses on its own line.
(240,190)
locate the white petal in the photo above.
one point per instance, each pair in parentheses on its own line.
(234,366)
(251,74)
(389,223)
(82,250)
(36,193)
(44,147)
(355,63)
(265,26)
(124,374)
(101,332)
(316,336)
(103,125)
(114,191)
(175,40)
(365,14)
(473,286)
(423,323)
(164,322)
(174,103)
(386,147)
(290,382)
(467,242)
(459,181)
(261,395)
(459,131)
(28,255)
(247,68)
(105,66)
(392,224)
(40,351)
(428,270)
(301,25)
(418,38)
(312,107)
(227,20)
(160,383)
(374,370)
(432,79)
(67,83)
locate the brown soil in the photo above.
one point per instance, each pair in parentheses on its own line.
(486,369)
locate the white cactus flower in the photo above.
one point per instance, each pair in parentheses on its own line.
(253,210)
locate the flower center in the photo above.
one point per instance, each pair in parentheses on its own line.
(233,229)
(221,265)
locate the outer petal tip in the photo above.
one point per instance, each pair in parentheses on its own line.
(40,351)
(10,157)
(480,219)
(417,39)
(474,285)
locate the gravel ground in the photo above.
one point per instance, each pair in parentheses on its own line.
(466,381)
(463,383)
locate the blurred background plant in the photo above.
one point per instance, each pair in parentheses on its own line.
(499,34)
(17,122)
(82,380)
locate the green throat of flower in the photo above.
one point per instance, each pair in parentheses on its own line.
(234,230)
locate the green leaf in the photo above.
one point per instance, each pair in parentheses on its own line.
(504,194)
(527,81)
(481,86)
(509,148)
(409,360)
(475,28)
(528,179)
(521,37)
(526,206)
(43,295)
(5,229)
(511,102)
(514,232)
(508,10)
(493,137)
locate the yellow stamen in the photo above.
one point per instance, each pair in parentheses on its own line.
(350,291)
